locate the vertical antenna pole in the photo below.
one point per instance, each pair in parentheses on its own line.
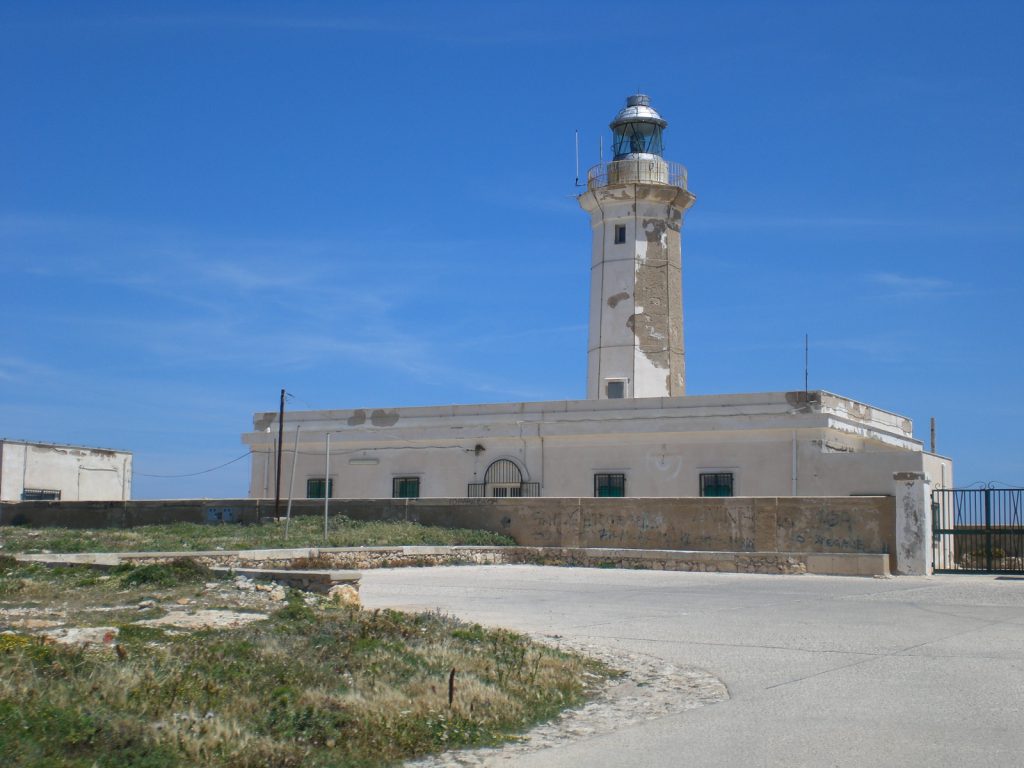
(806,366)
(600,149)
(933,434)
(577,157)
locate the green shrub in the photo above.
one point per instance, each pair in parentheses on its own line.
(180,571)
(140,633)
(296,611)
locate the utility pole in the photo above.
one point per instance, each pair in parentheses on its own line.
(280,445)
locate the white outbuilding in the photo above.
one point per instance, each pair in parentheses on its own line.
(55,472)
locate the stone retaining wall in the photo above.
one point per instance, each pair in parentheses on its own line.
(772,524)
(366,558)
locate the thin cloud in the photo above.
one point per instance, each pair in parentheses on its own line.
(232,340)
(517,394)
(246,278)
(914,286)
(16,369)
(311,278)
(713,220)
(21,223)
(529,333)
(478,31)
(879,348)
(231,343)
(211,21)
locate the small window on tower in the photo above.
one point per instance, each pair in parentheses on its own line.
(620,234)
(616,389)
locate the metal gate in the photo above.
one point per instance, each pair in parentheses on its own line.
(978,530)
(503,479)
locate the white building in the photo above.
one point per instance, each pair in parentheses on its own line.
(53,472)
(636,434)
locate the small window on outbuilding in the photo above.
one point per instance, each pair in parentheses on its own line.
(716,484)
(609,484)
(620,234)
(615,389)
(315,488)
(405,488)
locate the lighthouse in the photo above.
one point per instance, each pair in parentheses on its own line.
(636,204)
(635,434)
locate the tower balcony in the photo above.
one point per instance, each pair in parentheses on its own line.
(639,169)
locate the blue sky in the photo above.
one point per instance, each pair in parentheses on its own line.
(372,204)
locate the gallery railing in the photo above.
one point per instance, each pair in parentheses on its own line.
(649,170)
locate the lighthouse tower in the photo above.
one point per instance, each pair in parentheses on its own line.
(636,204)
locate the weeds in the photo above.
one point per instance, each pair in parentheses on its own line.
(340,687)
(296,612)
(309,686)
(182,570)
(321,562)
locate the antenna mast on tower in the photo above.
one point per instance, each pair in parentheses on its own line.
(577,157)
(806,365)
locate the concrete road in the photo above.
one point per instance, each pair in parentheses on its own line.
(822,671)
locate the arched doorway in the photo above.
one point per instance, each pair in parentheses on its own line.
(504,479)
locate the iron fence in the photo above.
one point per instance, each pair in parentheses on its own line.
(978,530)
(502,491)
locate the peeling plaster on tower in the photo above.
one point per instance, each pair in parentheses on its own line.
(636,205)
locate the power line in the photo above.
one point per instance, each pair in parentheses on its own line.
(203,472)
(306,403)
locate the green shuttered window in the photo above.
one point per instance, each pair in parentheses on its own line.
(315,488)
(405,488)
(609,484)
(716,484)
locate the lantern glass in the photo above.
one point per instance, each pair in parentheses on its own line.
(636,138)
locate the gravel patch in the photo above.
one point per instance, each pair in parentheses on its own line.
(649,688)
(203,619)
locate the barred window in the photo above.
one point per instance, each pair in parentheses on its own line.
(315,488)
(39,494)
(716,484)
(405,488)
(609,484)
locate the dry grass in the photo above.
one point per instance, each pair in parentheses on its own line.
(312,685)
(303,532)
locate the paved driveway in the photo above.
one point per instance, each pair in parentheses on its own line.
(822,671)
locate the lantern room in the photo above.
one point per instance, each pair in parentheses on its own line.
(637,129)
